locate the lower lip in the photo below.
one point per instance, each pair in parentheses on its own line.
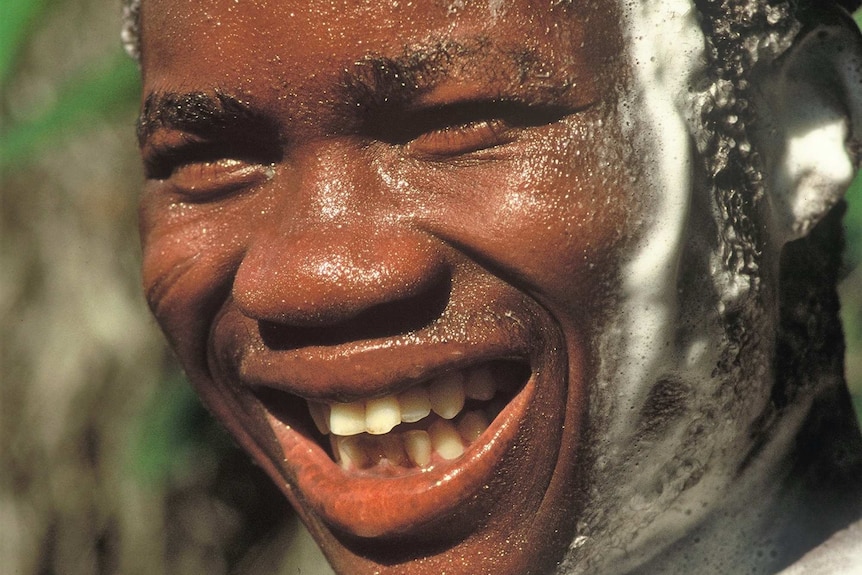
(381,506)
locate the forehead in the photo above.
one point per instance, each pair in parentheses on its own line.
(287,46)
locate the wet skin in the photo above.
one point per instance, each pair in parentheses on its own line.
(346,200)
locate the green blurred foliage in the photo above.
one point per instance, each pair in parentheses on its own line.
(851,292)
(95,95)
(167,432)
(16,20)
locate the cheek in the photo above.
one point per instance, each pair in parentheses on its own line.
(190,253)
(566,239)
(554,224)
(578,223)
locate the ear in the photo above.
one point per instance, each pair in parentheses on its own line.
(812,123)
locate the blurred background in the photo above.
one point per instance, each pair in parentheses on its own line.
(108,464)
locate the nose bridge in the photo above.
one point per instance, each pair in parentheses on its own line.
(325,256)
(328,180)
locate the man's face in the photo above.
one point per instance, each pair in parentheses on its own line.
(371,213)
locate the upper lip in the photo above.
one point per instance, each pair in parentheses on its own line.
(365,371)
(374,368)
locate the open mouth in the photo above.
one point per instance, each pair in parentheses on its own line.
(386,465)
(411,431)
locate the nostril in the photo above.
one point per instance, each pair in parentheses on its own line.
(326,276)
(388,319)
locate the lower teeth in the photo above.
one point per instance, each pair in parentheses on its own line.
(411,447)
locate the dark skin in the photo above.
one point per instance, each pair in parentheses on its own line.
(347,199)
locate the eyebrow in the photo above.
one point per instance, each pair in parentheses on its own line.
(378,85)
(194,112)
(368,90)
(379,81)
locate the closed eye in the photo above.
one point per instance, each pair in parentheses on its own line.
(202,170)
(464,128)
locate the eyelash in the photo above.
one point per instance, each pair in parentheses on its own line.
(203,171)
(163,160)
(462,129)
(462,139)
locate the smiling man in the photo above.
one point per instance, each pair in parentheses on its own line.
(510,286)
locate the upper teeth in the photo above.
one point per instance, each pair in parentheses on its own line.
(444,395)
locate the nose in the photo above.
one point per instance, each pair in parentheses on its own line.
(330,276)
(336,259)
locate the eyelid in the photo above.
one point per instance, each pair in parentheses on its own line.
(202,170)
(460,140)
(207,180)
(166,150)
(463,128)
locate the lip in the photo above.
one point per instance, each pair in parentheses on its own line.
(368,369)
(377,506)
(374,505)
(514,484)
